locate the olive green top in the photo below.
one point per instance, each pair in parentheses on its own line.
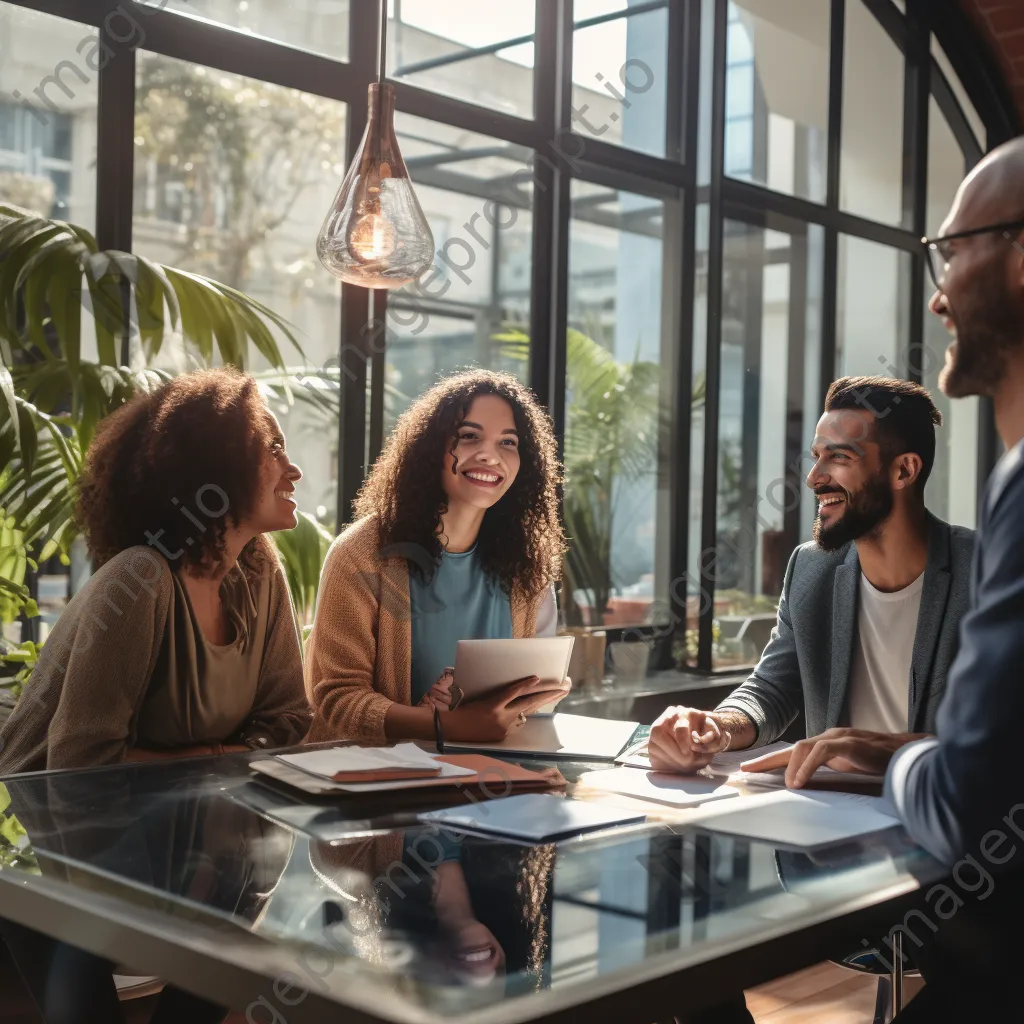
(127,666)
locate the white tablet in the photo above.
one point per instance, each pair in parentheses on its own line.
(483,666)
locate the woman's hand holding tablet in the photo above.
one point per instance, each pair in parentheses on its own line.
(482,666)
(440,694)
(488,719)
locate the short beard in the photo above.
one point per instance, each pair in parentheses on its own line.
(865,512)
(984,338)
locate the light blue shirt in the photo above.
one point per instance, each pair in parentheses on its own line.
(459,603)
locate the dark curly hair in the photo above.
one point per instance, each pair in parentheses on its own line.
(180,464)
(521,540)
(905,416)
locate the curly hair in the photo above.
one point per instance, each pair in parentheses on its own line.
(178,465)
(521,540)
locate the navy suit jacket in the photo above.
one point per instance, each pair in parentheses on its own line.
(956,793)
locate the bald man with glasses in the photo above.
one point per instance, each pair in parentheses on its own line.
(960,794)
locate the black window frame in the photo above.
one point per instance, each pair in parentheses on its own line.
(547,133)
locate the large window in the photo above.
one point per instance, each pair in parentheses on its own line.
(48,89)
(771,336)
(776,96)
(615,419)
(758,311)
(677,234)
(242,204)
(472,308)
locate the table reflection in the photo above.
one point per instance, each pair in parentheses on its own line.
(446,908)
(176,842)
(354,891)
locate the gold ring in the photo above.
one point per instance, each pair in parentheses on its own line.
(521,720)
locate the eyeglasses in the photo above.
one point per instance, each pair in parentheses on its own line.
(939,254)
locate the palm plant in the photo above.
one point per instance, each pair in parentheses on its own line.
(302,552)
(15,849)
(611,443)
(53,398)
(614,433)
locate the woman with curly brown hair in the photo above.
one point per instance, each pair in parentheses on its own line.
(457,537)
(184,640)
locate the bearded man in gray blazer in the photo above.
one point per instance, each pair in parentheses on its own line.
(870,610)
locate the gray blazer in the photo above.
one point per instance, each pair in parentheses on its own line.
(807,661)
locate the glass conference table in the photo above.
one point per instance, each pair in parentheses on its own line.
(292,911)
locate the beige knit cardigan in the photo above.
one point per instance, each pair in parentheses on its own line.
(359,654)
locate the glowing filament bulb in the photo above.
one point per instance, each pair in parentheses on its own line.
(373,238)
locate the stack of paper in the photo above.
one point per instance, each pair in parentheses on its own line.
(728,765)
(492,778)
(637,756)
(729,762)
(366,764)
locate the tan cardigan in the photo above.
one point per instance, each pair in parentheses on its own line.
(359,654)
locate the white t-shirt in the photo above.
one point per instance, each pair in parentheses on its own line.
(879,690)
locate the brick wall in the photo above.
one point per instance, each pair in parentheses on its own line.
(1002,24)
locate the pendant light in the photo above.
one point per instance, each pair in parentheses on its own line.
(375,234)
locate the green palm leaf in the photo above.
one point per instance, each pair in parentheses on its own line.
(53,400)
(35,250)
(302,552)
(617,434)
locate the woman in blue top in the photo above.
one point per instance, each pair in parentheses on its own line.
(457,537)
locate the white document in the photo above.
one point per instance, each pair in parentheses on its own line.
(660,787)
(728,764)
(722,765)
(636,756)
(278,768)
(534,817)
(483,666)
(570,736)
(777,779)
(328,763)
(801,818)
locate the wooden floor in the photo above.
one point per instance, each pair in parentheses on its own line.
(824,993)
(821,993)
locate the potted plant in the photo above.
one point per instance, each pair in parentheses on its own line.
(612,441)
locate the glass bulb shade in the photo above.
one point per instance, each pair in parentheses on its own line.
(375,234)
